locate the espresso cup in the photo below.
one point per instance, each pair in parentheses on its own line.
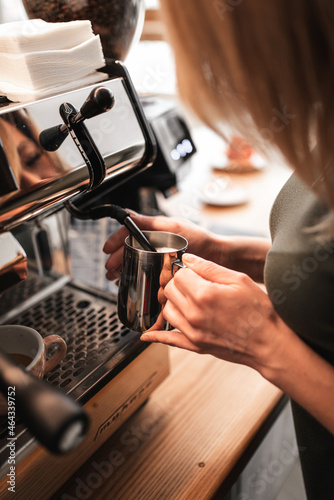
(144,276)
(33,352)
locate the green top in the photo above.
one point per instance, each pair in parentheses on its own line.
(299,276)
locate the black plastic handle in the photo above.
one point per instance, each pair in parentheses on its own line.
(57,422)
(99,101)
(52,138)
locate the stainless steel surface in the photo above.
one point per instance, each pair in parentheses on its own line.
(47,179)
(97,344)
(144,275)
(13,262)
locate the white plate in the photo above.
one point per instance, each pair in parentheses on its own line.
(223,194)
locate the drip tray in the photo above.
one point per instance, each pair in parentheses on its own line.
(98,346)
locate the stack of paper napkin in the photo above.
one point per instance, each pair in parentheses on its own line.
(38,59)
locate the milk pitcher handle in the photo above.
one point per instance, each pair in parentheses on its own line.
(179,265)
(176,265)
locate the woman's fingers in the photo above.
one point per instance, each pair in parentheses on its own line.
(114,275)
(209,270)
(115,241)
(115,261)
(115,247)
(174,311)
(173,338)
(176,295)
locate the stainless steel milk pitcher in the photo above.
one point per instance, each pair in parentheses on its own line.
(144,276)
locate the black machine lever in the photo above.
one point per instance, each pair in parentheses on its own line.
(99,101)
(86,146)
(52,138)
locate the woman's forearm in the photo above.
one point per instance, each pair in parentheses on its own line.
(305,376)
(243,254)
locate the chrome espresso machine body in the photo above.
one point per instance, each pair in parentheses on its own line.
(106,369)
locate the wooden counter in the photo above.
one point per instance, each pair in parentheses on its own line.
(187,440)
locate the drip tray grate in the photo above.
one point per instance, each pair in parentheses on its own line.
(96,342)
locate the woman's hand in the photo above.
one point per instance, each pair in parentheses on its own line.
(198,238)
(220,312)
(245,254)
(224,313)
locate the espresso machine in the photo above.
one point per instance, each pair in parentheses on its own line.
(59,156)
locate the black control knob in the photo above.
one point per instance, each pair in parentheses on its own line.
(99,101)
(52,138)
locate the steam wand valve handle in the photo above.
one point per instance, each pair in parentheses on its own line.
(52,138)
(86,146)
(99,101)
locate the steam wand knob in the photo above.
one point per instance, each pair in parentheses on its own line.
(99,101)
(52,138)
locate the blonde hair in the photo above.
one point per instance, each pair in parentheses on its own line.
(265,68)
(21,121)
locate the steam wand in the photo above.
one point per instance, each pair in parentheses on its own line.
(115,212)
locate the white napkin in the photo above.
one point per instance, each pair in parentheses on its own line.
(39,58)
(36,35)
(21,94)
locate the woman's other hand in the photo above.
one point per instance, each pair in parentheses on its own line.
(221,312)
(224,313)
(198,238)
